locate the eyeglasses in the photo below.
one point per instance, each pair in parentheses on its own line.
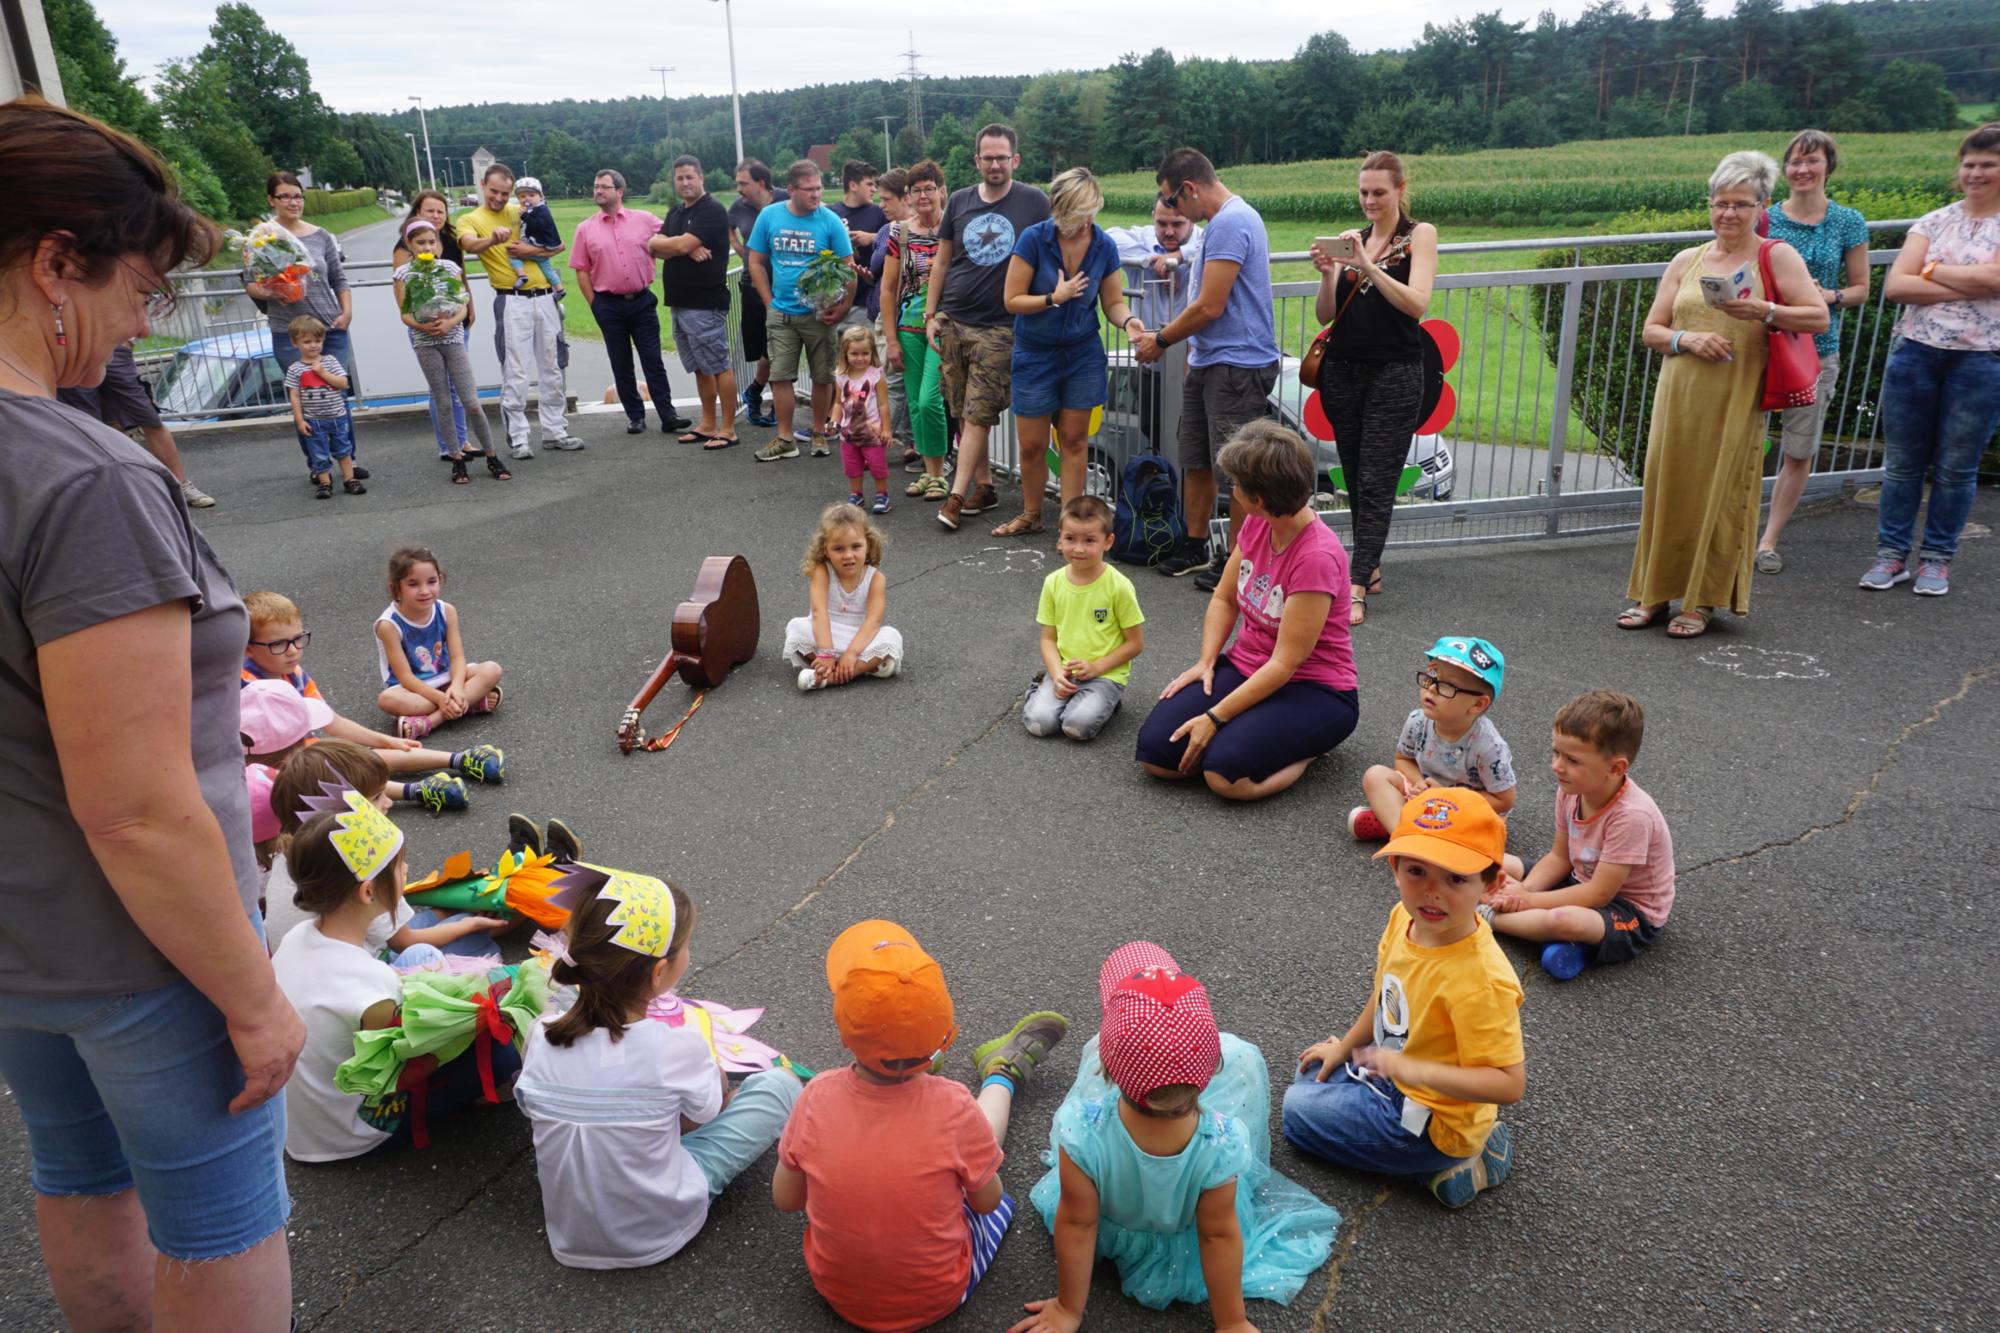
(999,161)
(1445,689)
(1718,206)
(298,643)
(924,189)
(160,301)
(289,198)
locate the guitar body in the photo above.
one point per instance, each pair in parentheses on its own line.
(714,632)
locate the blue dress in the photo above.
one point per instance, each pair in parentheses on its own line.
(1145,1221)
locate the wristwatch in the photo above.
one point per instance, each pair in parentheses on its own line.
(1051,299)
(1770,313)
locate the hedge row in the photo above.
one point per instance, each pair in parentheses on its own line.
(337,201)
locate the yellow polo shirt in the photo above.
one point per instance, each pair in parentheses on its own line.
(482,222)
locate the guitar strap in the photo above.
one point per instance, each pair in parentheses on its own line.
(671,734)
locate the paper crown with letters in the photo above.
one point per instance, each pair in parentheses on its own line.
(366,840)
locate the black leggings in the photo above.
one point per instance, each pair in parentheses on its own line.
(1374,408)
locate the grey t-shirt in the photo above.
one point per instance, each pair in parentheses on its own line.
(1479,759)
(982,237)
(91,529)
(322,290)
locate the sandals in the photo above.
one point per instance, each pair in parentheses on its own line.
(1021,525)
(1639,617)
(458,477)
(498,468)
(695,437)
(353,487)
(721,442)
(1688,625)
(1357,604)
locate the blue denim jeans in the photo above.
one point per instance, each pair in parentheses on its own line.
(124,1091)
(476,945)
(1939,411)
(326,439)
(1355,1119)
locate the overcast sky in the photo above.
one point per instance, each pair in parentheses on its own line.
(371,55)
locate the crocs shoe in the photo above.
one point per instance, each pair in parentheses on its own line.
(437,793)
(1456,1186)
(1885,573)
(416,728)
(1022,1048)
(483,763)
(1363,826)
(1933,578)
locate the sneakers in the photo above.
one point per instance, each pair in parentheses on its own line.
(437,793)
(778,448)
(820,448)
(912,461)
(1563,959)
(1456,1186)
(523,838)
(196,497)
(1190,558)
(564,845)
(1025,1046)
(1363,826)
(563,444)
(1208,578)
(1769,561)
(979,499)
(520,451)
(753,411)
(482,763)
(1933,578)
(1885,573)
(416,728)
(855,498)
(881,506)
(809,679)
(954,505)
(802,434)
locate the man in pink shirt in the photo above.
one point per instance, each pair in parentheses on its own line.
(614,272)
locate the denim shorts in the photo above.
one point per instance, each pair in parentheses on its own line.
(1049,379)
(326,439)
(133,1090)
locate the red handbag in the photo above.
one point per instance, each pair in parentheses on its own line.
(1791,371)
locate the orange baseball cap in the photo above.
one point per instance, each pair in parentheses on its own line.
(889,996)
(1453,827)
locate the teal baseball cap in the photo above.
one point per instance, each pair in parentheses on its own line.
(1478,656)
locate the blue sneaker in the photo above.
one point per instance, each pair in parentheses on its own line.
(437,793)
(1563,959)
(1885,573)
(482,763)
(1458,1185)
(1933,578)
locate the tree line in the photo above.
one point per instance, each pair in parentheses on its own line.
(226,115)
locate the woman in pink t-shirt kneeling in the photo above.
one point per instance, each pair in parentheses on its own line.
(1284,693)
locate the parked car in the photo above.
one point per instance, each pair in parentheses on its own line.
(235,370)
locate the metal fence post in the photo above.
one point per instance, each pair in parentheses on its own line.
(1572,291)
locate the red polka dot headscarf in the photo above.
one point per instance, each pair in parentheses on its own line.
(1158,1030)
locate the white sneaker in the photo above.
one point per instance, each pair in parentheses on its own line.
(520,451)
(196,497)
(809,679)
(567,444)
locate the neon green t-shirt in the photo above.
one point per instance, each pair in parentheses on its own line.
(1091,620)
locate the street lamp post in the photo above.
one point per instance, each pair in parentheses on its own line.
(416,167)
(424,121)
(735,102)
(888,151)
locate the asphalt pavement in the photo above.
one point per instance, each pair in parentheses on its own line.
(1771,1120)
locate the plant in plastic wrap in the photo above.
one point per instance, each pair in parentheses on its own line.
(823,283)
(432,290)
(276,258)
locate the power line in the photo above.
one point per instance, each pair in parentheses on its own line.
(916,117)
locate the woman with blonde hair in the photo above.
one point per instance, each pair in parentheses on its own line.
(1705,450)
(1060,371)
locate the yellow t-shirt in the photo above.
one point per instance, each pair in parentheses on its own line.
(1090,620)
(1459,1005)
(482,222)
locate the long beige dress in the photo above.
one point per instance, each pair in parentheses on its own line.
(1704,461)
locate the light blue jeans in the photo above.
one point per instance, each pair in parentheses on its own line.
(1079,717)
(751,1122)
(1939,411)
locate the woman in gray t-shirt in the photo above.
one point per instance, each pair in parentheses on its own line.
(326,297)
(143,1036)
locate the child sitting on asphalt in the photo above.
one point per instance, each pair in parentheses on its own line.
(897,1170)
(1162,1157)
(636,1126)
(426,679)
(1092,628)
(538,227)
(401,936)
(842,637)
(1448,741)
(276,651)
(1414,1087)
(1602,894)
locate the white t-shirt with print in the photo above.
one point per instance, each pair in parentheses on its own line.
(331,983)
(618,1188)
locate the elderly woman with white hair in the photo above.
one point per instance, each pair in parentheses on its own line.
(1059,368)
(1704,452)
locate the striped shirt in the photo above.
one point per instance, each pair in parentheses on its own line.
(317,398)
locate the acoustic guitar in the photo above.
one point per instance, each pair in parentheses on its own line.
(714,632)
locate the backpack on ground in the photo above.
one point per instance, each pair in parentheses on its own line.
(1147,524)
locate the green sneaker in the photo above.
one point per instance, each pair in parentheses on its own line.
(483,763)
(1022,1048)
(437,793)
(564,845)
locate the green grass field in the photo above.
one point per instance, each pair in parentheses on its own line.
(348,219)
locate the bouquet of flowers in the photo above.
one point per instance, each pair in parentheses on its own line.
(432,289)
(276,258)
(823,282)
